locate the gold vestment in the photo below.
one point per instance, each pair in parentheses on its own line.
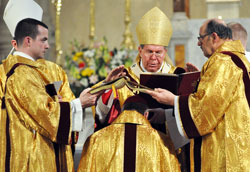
(39,126)
(2,119)
(218,114)
(104,150)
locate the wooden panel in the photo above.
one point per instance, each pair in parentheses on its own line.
(180,55)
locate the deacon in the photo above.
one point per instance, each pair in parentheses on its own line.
(36,123)
(217,116)
(129,144)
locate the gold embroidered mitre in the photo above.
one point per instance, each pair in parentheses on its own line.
(154,28)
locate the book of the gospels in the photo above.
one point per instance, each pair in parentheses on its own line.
(178,84)
(119,83)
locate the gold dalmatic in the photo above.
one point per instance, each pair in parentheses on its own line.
(38,126)
(111,148)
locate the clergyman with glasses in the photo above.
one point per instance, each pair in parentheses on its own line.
(217,117)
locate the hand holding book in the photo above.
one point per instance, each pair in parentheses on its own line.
(162,96)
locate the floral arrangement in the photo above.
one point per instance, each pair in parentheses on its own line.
(87,67)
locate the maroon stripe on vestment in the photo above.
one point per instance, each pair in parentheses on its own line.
(56,150)
(187,121)
(8,148)
(3,103)
(197,154)
(64,123)
(129,148)
(241,65)
(51,90)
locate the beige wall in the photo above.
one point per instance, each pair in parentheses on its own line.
(109,19)
(244,9)
(197,9)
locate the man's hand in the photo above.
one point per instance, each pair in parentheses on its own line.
(162,96)
(156,116)
(115,73)
(191,68)
(60,98)
(88,99)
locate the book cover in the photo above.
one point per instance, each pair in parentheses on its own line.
(178,84)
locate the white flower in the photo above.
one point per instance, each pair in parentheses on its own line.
(84,82)
(120,54)
(116,62)
(93,79)
(89,53)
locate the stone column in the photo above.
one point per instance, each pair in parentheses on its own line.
(181,35)
(5,41)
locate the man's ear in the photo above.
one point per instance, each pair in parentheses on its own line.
(215,37)
(146,114)
(14,43)
(27,41)
(139,49)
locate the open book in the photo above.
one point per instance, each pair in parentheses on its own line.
(119,83)
(178,84)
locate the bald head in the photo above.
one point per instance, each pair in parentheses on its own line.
(238,33)
(213,33)
(218,26)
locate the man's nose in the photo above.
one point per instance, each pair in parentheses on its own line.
(47,46)
(153,55)
(199,43)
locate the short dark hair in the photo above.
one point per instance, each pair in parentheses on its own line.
(139,107)
(223,31)
(27,27)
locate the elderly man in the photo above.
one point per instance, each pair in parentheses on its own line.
(217,116)
(154,32)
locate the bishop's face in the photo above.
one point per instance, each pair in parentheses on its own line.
(152,57)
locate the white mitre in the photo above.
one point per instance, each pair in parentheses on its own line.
(17,10)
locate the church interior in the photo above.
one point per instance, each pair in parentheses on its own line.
(88,26)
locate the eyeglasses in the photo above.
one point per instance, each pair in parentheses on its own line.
(157,54)
(203,36)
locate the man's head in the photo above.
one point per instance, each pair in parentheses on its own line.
(238,33)
(213,33)
(31,37)
(154,32)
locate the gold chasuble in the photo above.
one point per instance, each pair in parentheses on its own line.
(128,144)
(38,125)
(217,116)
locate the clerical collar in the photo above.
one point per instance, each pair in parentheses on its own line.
(18,53)
(144,70)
